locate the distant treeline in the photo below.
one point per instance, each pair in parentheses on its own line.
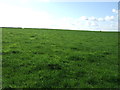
(33,28)
(36,28)
(10,27)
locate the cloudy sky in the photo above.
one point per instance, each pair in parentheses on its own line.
(64,14)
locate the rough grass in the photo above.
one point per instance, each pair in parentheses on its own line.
(38,58)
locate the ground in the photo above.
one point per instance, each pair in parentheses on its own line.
(46,58)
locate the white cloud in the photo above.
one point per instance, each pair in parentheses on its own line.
(93,18)
(88,23)
(114,11)
(100,19)
(83,18)
(109,18)
(94,24)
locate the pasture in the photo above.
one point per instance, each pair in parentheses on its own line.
(46,58)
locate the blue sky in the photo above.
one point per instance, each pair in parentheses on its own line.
(64,15)
(77,9)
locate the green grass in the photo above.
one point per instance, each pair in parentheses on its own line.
(41,58)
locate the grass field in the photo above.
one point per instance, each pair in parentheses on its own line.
(39,58)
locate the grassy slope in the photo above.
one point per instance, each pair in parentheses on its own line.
(57,58)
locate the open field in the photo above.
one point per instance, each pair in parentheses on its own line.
(37,58)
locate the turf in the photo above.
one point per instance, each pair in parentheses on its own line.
(46,58)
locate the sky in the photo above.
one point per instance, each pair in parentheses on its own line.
(67,14)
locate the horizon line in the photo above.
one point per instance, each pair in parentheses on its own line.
(61,29)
